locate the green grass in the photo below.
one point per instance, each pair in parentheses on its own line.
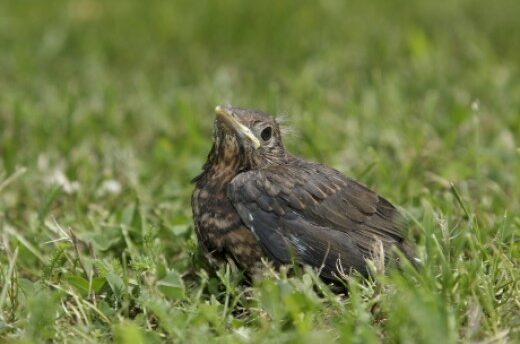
(106,110)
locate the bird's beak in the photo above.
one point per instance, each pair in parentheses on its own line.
(230,119)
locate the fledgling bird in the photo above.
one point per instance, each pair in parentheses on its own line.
(255,200)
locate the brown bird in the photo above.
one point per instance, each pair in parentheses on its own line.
(254,200)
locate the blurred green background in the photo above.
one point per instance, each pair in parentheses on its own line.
(106,109)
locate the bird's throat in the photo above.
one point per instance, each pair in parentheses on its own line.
(222,166)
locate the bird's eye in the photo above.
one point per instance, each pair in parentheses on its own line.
(266,133)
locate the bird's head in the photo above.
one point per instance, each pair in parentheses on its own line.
(252,137)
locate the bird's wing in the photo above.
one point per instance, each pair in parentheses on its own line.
(314,214)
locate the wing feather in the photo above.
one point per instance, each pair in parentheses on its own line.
(314,214)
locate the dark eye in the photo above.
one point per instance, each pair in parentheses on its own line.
(266,133)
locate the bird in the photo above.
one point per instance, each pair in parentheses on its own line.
(254,201)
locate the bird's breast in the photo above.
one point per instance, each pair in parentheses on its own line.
(214,215)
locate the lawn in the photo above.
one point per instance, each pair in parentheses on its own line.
(106,113)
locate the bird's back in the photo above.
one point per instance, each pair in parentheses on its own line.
(311,213)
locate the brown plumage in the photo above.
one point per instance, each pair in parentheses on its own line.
(254,199)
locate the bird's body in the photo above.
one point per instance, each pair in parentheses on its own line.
(255,200)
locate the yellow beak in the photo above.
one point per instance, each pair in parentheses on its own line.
(228,117)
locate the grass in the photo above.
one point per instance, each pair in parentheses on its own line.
(106,114)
